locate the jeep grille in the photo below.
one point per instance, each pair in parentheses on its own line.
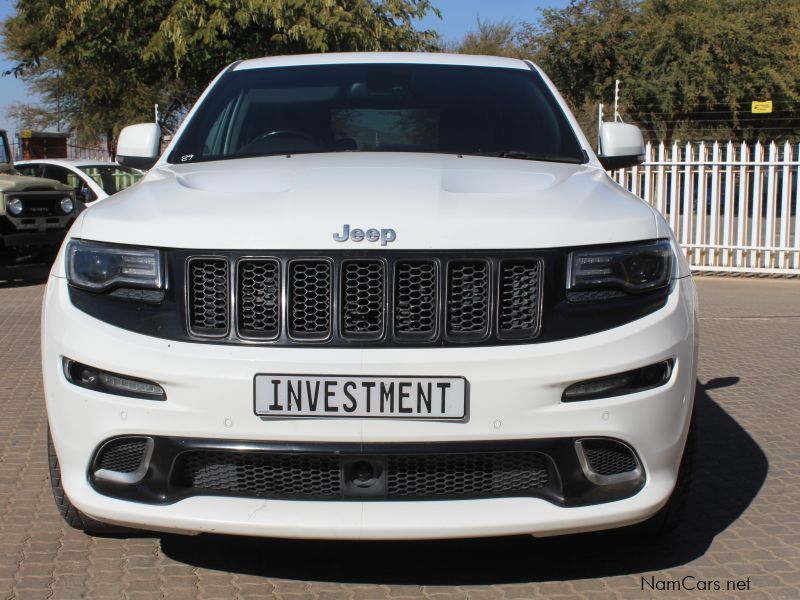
(365,299)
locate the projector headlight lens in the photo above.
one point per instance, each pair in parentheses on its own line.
(632,269)
(99,267)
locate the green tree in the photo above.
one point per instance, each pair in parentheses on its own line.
(701,63)
(101,64)
(491,39)
(689,68)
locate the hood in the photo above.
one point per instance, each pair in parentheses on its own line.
(431,201)
(12,181)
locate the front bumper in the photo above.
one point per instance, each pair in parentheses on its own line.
(515,394)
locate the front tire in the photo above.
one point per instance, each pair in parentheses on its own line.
(73,517)
(672,513)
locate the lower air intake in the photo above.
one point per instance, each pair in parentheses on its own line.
(123,455)
(412,476)
(607,457)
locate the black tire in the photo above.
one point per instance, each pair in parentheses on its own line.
(73,517)
(671,514)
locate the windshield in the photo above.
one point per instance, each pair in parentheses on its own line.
(112,178)
(379,107)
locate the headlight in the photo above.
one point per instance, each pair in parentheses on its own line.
(14,207)
(98,267)
(67,205)
(632,269)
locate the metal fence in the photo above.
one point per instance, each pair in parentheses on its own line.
(94,153)
(733,207)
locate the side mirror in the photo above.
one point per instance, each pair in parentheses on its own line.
(621,146)
(139,145)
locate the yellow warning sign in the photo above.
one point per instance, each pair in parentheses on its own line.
(26,133)
(762,107)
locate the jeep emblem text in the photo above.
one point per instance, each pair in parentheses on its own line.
(371,235)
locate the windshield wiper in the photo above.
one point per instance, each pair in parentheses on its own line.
(519,154)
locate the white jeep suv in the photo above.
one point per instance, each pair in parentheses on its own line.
(372,296)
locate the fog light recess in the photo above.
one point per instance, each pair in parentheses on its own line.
(607,462)
(629,382)
(99,380)
(123,460)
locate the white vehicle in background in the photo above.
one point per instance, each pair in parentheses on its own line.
(91,179)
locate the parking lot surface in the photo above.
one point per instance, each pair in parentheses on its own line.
(743,529)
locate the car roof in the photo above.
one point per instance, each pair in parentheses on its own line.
(417,58)
(67,162)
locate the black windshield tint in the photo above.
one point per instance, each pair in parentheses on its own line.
(378,107)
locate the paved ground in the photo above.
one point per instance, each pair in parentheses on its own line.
(745,509)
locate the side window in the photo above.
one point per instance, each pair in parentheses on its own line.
(29,170)
(63,175)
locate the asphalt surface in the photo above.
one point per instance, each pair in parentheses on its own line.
(742,531)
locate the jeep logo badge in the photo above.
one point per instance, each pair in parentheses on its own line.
(371,235)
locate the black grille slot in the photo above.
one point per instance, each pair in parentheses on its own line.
(208,296)
(310,299)
(453,475)
(520,286)
(309,476)
(607,457)
(468,299)
(363,298)
(415,299)
(258,298)
(122,456)
(263,474)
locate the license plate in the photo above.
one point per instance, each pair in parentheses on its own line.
(343,396)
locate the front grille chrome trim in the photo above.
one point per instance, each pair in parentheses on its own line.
(298,336)
(188,281)
(236,298)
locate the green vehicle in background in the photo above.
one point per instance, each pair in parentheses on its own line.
(35,213)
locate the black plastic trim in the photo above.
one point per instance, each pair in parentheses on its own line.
(568,486)
(559,318)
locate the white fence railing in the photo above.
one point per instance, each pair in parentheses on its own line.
(733,207)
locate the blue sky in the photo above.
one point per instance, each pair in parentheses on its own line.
(458,17)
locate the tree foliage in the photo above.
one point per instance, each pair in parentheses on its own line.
(101,64)
(689,68)
(490,39)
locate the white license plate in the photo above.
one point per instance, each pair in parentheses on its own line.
(345,396)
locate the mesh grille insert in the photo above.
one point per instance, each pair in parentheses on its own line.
(607,457)
(484,474)
(468,302)
(310,298)
(309,476)
(363,298)
(208,296)
(259,292)
(123,456)
(519,297)
(415,298)
(263,474)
